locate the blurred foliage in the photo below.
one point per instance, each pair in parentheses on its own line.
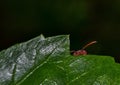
(84,20)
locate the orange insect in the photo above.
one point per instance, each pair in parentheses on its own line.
(83,51)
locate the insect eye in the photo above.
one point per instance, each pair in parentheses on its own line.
(76,53)
(83,52)
(80,52)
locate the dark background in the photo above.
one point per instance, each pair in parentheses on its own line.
(84,20)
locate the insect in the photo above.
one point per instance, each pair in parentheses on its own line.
(83,51)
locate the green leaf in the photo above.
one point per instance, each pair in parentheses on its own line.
(20,61)
(93,70)
(47,61)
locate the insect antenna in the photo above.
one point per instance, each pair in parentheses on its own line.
(93,42)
